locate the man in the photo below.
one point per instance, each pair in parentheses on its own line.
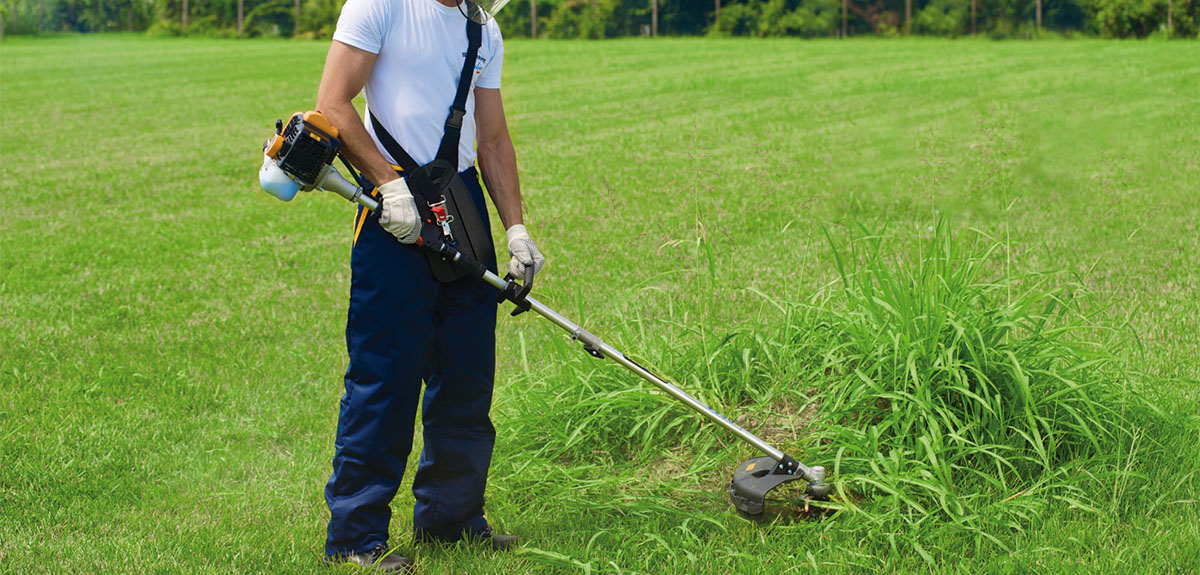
(404,327)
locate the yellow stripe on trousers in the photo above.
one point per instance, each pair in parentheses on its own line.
(361,218)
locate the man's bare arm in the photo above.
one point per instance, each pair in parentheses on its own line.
(346,71)
(497,158)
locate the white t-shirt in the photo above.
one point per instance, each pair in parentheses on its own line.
(421,45)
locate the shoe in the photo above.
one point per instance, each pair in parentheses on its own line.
(485,537)
(378,559)
(498,542)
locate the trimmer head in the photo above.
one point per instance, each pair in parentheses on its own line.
(757,476)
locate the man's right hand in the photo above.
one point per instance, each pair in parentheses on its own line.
(398,211)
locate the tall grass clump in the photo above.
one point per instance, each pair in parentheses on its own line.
(960,397)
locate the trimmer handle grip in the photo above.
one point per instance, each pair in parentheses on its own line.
(516,293)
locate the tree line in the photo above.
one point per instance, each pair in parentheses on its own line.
(616,18)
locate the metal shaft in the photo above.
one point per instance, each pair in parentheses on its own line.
(594,343)
(332,180)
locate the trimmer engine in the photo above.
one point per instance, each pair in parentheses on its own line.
(299,157)
(304,146)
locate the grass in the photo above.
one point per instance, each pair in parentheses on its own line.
(965,401)
(171,338)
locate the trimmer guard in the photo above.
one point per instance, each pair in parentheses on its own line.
(757,476)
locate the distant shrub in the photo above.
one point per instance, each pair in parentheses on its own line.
(204,26)
(815,18)
(270,18)
(1063,14)
(812,18)
(1139,18)
(580,19)
(943,18)
(318,18)
(573,19)
(737,20)
(514,19)
(771,15)
(165,28)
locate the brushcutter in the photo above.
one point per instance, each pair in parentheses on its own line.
(299,158)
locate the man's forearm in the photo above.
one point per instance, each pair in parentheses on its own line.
(498,163)
(357,144)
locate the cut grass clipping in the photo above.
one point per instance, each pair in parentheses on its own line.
(958,401)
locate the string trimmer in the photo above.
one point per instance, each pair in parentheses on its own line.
(299,158)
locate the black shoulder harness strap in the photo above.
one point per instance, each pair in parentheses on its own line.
(448,149)
(437,184)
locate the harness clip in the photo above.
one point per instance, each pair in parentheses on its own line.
(443,218)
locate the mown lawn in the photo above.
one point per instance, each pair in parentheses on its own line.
(171,342)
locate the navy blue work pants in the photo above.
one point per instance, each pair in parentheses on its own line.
(404,328)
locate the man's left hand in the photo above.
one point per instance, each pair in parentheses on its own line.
(523,251)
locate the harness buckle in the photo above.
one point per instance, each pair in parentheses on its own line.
(456,119)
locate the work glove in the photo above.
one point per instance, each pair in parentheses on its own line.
(398,214)
(523,251)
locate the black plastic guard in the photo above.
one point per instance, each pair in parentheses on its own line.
(434,182)
(751,482)
(474,238)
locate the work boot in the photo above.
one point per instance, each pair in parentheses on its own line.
(485,537)
(497,542)
(377,559)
